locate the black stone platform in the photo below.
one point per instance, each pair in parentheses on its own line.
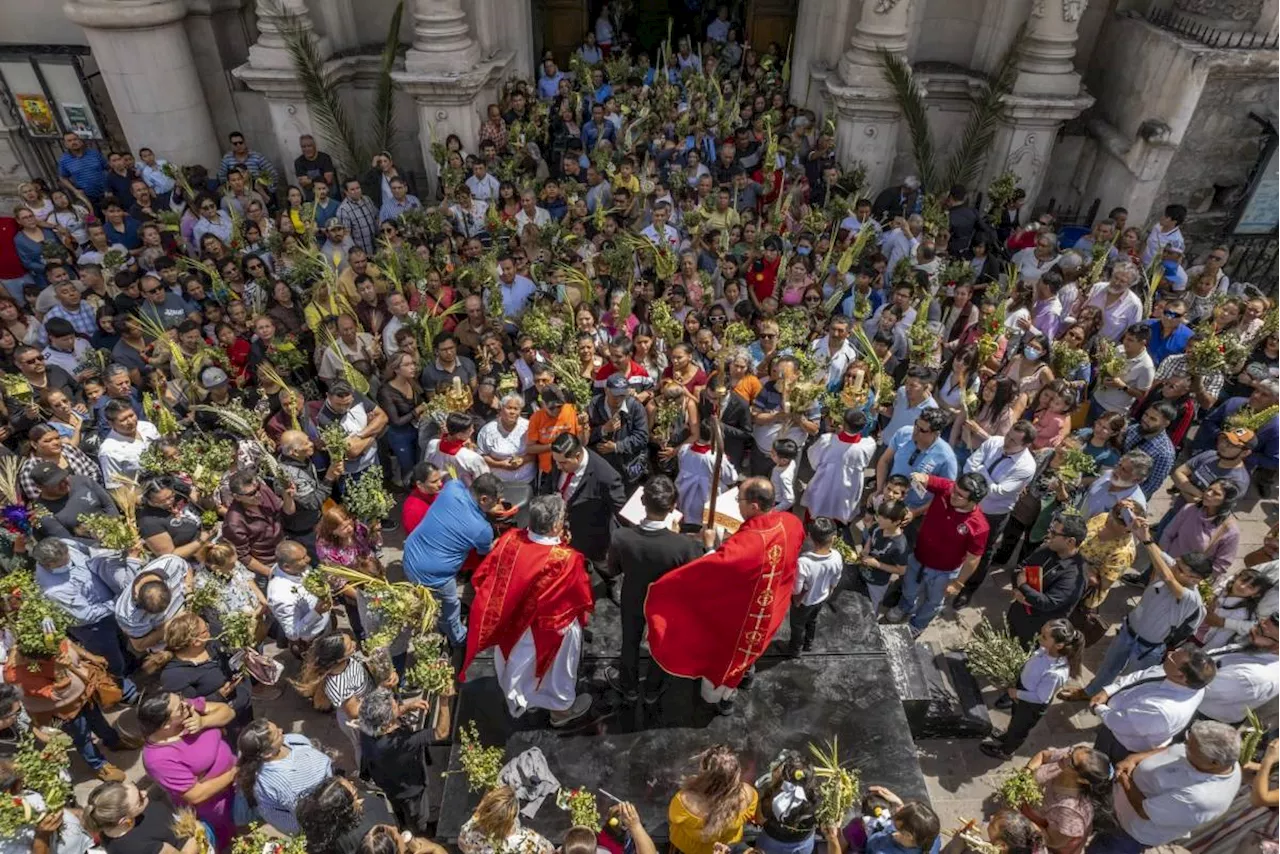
(850,629)
(640,755)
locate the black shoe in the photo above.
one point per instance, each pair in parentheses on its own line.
(652,698)
(390,524)
(613,678)
(724,707)
(807,646)
(995,735)
(1137,579)
(995,751)
(1003,701)
(962,599)
(747,680)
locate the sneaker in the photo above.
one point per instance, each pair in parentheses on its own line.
(613,678)
(896,615)
(962,599)
(109,773)
(581,705)
(1137,579)
(995,751)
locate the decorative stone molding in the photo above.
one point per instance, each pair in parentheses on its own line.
(1222,10)
(442,41)
(1072,10)
(884,7)
(269,50)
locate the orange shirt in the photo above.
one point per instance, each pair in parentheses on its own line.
(543,429)
(748,387)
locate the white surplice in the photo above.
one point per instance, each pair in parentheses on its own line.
(693,483)
(838,462)
(556,690)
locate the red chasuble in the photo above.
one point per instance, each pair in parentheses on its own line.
(524,585)
(713,617)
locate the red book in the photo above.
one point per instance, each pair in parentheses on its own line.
(1034,580)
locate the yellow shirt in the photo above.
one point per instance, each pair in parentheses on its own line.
(723,220)
(632,183)
(686,828)
(1109,558)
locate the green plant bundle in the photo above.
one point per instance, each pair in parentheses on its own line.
(580,803)
(664,322)
(1001,192)
(1207,592)
(333,439)
(44,768)
(997,655)
(481,764)
(1250,737)
(112,532)
(1020,789)
(1207,353)
(839,787)
(208,460)
(206,595)
(315,582)
(209,519)
(39,625)
(1067,360)
(546,329)
(666,414)
(260,840)
(794,329)
(738,334)
(1250,420)
(237,630)
(1109,359)
(155,461)
(430,669)
(1075,464)
(160,415)
(367,500)
(570,379)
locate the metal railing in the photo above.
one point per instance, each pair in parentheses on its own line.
(1211,36)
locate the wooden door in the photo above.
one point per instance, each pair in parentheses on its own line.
(564,23)
(771,21)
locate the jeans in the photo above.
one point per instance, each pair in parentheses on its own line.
(923,589)
(1125,654)
(451,612)
(84,726)
(803,625)
(403,441)
(769,845)
(996,521)
(103,638)
(1115,842)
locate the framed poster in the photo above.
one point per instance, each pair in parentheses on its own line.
(78,119)
(1261,212)
(37,115)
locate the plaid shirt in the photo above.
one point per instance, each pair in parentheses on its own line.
(1176,365)
(78,462)
(361,220)
(84,319)
(1160,448)
(257,165)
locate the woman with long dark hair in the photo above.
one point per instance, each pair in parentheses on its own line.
(276,769)
(787,808)
(1207,525)
(336,815)
(994,416)
(194,664)
(1076,786)
(959,377)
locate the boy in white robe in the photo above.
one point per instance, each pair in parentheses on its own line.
(454,453)
(839,460)
(693,483)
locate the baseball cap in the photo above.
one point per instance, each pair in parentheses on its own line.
(45,473)
(1242,437)
(334,222)
(616,384)
(213,377)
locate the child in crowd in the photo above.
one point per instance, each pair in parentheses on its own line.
(819,571)
(788,797)
(783,454)
(889,826)
(1056,660)
(884,550)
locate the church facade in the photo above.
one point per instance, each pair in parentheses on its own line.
(1117,102)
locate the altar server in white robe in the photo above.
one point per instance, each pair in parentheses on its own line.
(697,459)
(839,460)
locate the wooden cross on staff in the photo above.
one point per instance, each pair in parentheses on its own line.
(717,437)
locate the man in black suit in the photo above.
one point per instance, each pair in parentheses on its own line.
(642,555)
(735,418)
(1062,580)
(592,491)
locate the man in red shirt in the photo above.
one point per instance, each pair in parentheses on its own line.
(620,361)
(949,545)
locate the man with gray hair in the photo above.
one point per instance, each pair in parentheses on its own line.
(539,642)
(394,754)
(1162,795)
(305,492)
(1122,483)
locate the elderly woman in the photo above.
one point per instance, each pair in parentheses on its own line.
(394,754)
(336,815)
(502,442)
(276,769)
(193,664)
(1076,786)
(495,827)
(187,756)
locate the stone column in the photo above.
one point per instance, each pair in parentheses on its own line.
(270,72)
(448,78)
(1046,94)
(142,50)
(866,112)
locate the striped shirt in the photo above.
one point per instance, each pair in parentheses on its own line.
(257,165)
(351,682)
(361,219)
(88,171)
(282,782)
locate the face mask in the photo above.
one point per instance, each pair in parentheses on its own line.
(1032,353)
(803,250)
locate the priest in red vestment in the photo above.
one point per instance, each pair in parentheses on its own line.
(713,617)
(532,599)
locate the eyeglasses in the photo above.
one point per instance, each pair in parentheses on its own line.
(1219,258)
(149,291)
(768,336)
(35,360)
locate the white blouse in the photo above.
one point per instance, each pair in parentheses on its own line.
(496,444)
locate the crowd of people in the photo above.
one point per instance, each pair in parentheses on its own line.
(653,280)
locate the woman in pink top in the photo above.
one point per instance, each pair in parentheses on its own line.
(1052,418)
(186,754)
(1207,525)
(1076,783)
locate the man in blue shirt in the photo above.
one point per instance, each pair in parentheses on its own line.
(65,578)
(457,525)
(516,289)
(1169,334)
(549,85)
(597,129)
(918,448)
(83,169)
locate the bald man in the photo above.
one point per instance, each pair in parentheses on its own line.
(306,491)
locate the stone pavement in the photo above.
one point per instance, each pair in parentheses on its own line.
(961,779)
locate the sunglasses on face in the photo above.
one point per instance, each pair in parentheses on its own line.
(1173,315)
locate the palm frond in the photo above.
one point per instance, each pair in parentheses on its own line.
(898,75)
(383,126)
(967,158)
(319,89)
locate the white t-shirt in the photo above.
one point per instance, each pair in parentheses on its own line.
(493,442)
